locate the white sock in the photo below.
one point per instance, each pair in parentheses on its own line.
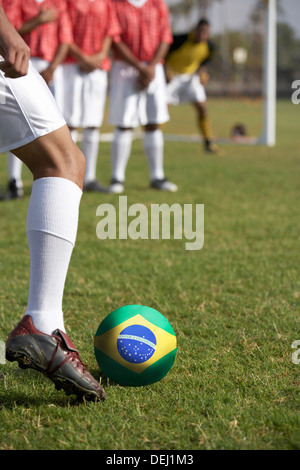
(15,169)
(52,221)
(154,149)
(121,149)
(74,135)
(89,147)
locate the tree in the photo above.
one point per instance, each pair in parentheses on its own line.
(288,46)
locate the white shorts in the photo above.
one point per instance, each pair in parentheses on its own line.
(84,96)
(185,88)
(129,105)
(39,64)
(27,110)
(55,86)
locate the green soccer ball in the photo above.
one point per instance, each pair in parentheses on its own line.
(135,345)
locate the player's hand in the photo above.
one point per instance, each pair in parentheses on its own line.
(147,74)
(169,73)
(204,77)
(90,63)
(15,52)
(47,15)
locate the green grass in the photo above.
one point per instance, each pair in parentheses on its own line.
(234,305)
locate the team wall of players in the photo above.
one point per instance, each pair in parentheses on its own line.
(75,45)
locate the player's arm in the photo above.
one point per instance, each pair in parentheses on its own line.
(45,15)
(126,54)
(13,49)
(203,69)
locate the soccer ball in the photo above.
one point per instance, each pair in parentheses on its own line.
(135,345)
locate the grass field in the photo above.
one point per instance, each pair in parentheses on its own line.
(234,305)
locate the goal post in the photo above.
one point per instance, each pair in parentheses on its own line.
(268,136)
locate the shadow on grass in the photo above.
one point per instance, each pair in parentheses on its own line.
(11,400)
(31,388)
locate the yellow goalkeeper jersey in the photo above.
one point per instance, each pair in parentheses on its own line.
(189,55)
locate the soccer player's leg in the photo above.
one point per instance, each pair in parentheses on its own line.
(15,183)
(123,114)
(204,125)
(39,340)
(154,150)
(120,153)
(94,90)
(156,113)
(195,94)
(90,147)
(84,103)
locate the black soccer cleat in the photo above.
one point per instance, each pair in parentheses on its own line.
(164,185)
(116,187)
(96,187)
(13,191)
(210,147)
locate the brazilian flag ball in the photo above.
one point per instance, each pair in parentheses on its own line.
(135,345)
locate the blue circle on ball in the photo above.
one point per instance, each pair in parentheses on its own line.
(136,344)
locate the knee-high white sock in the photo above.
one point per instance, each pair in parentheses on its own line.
(89,147)
(154,149)
(14,169)
(52,221)
(121,149)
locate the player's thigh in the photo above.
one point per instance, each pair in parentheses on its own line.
(94,93)
(27,110)
(196,91)
(156,106)
(124,96)
(72,85)
(176,89)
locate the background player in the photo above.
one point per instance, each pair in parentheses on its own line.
(32,126)
(186,75)
(85,77)
(45,27)
(138,87)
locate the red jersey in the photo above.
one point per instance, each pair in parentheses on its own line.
(92,21)
(45,39)
(143,28)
